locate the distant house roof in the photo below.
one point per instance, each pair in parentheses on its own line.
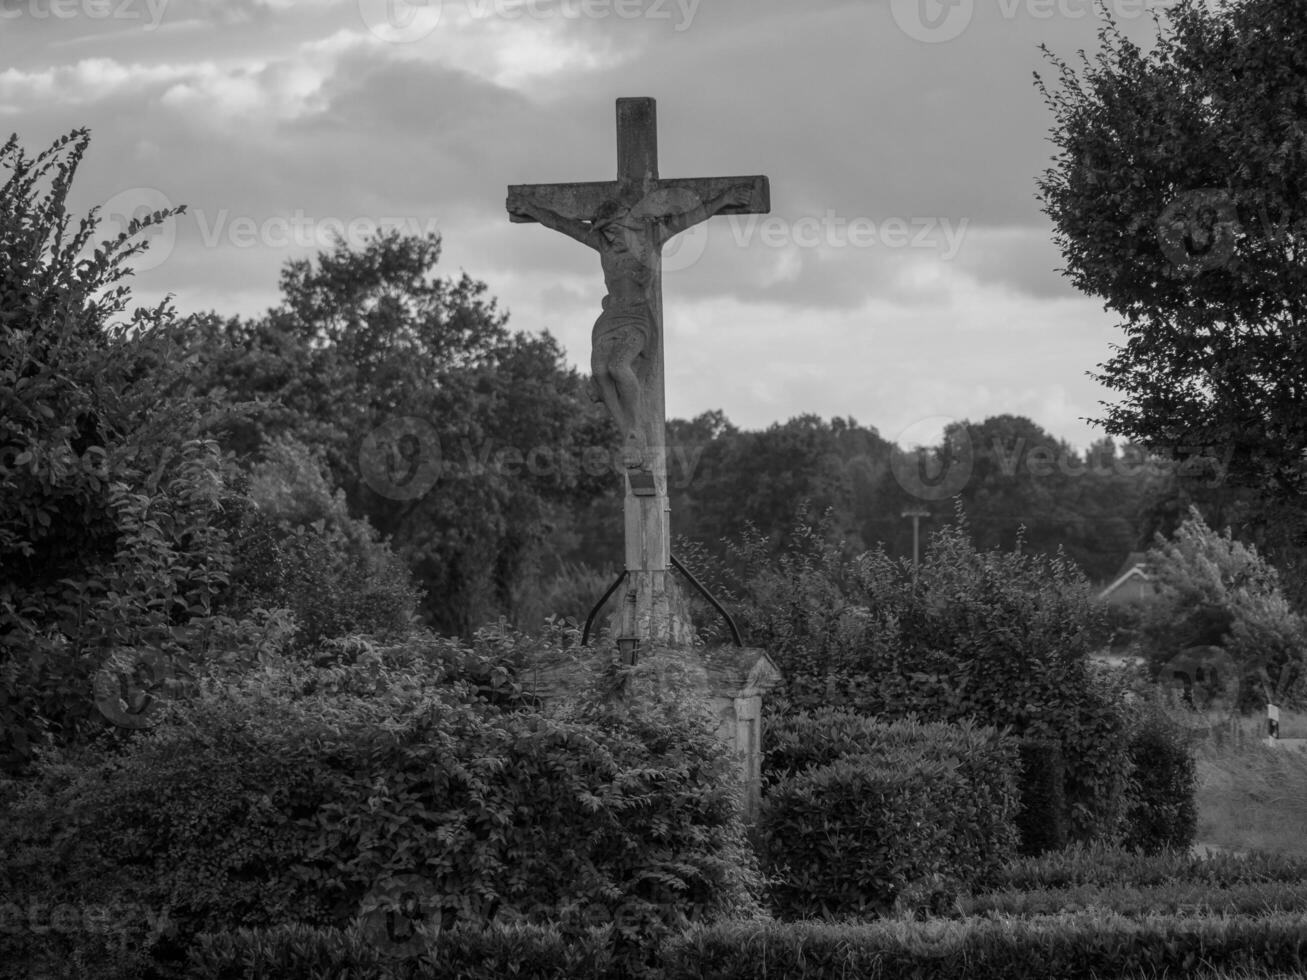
(1134,568)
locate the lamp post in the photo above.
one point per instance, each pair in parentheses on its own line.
(916,513)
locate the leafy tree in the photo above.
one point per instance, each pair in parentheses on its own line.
(1177,197)
(477,434)
(111,528)
(1215,591)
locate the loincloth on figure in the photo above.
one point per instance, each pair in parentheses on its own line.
(622,332)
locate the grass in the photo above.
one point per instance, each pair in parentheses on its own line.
(1251,796)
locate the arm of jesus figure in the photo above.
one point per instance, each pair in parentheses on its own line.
(570,227)
(738,195)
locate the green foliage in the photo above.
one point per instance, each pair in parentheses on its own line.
(1092,944)
(846,837)
(1216,591)
(296,547)
(1212,362)
(999,637)
(1042,819)
(1108,866)
(858,811)
(1163,810)
(492,426)
(111,533)
(1170,898)
(288,793)
(297,952)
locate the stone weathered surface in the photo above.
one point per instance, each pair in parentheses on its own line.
(627,221)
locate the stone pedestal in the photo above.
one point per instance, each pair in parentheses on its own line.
(733,680)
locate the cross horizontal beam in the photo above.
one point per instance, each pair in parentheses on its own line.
(582,201)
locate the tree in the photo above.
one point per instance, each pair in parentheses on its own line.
(1215,592)
(458,440)
(1177,197)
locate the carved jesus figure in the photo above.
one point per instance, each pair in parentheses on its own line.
(628,235)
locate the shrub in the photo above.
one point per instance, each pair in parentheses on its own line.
(1071,946)
(1163,810)
(847,837)
(1106,866)
(294,952)
(916,801)
(1171,898)
(1041,819)
(290,794)
(999,637)
(297,547)
(110,493)
(980,817)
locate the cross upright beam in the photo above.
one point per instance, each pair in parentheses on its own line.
(627,221)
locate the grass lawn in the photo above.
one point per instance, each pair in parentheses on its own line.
(1252,796)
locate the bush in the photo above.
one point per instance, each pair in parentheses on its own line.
(304,953)
(291,794)
(110,493)
(1041,819)
(1172,898)
(915,803)
(1163,810)
(847,837)
(296,547)
(998,637)
(1065,946)
(1108,866)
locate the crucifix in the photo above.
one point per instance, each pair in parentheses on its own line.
(627,221)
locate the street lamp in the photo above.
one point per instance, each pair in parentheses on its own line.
(916,513)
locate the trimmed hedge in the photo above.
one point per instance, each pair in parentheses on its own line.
(1161,811)
(1173,898)
(1069,947)
(909,804)
(294,794)
(1042,818)
(1109,866)
(849,836)
(297,952)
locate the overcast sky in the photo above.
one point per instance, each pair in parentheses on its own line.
(905,275)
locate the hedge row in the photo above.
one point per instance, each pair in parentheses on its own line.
(1106,866)
(1066,946)
(806,739)
(860,815)
(1174,898)
(296,952)
(315,795)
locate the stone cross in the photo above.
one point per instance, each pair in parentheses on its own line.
(627,221)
